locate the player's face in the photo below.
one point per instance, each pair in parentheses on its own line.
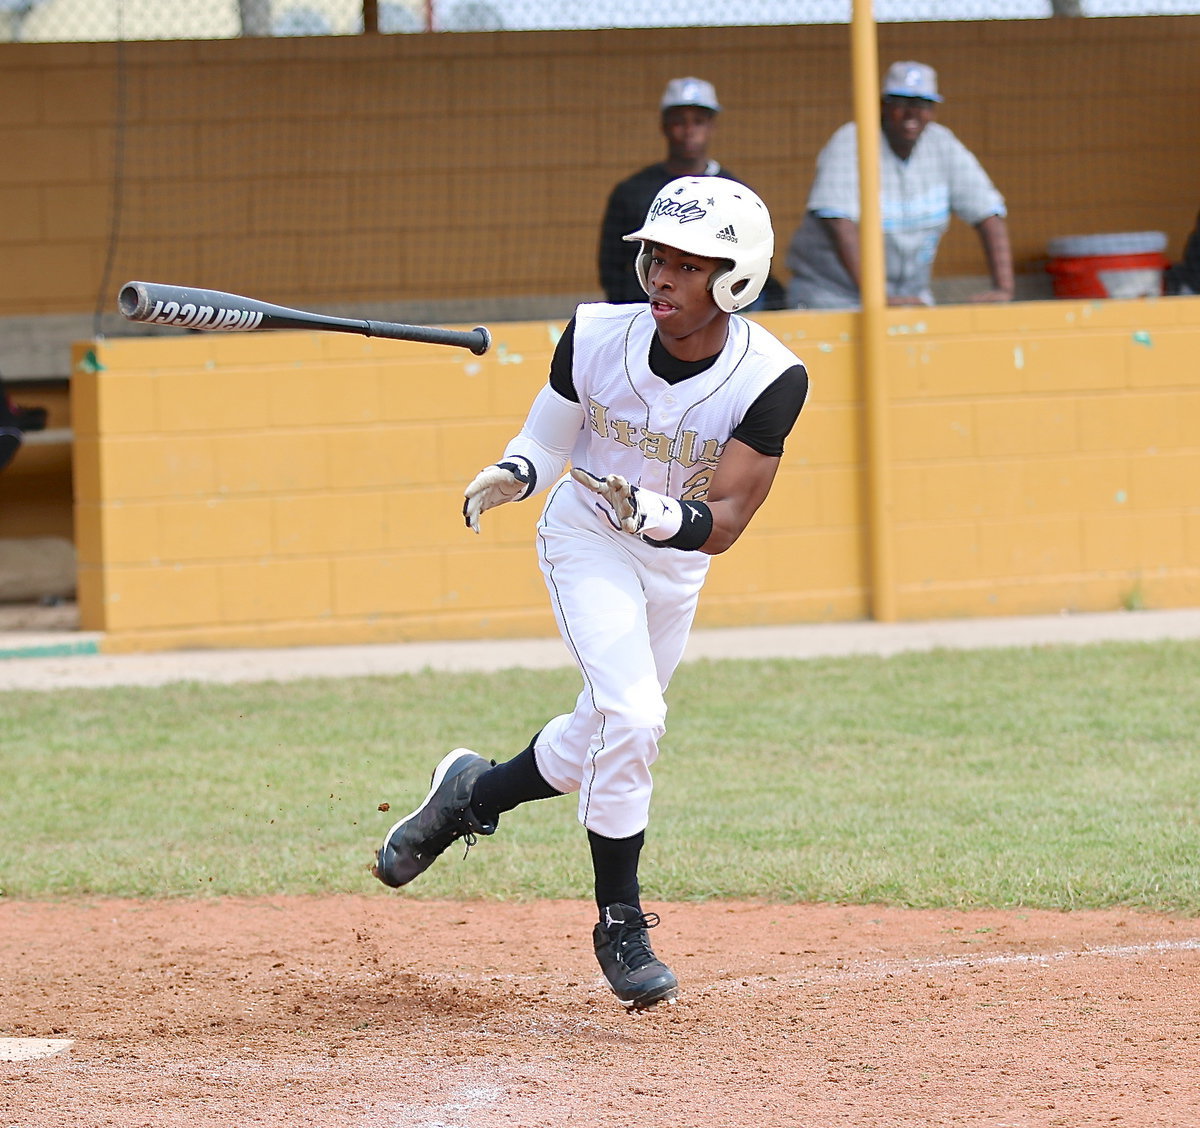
(690,323)
(688,130)
(904,120)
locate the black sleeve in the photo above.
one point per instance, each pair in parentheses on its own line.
(773,415)
(562,365)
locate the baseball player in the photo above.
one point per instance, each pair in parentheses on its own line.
(673,416)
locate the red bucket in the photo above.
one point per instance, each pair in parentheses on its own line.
(1123,265)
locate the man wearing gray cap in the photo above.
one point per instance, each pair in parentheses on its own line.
(926,175)
(688,109)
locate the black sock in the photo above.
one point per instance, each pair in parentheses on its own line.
(508,785)
(615,863)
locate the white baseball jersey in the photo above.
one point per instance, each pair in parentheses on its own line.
(625,607)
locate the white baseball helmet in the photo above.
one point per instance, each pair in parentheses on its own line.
(717,218)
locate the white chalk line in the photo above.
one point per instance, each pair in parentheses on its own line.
(882,969)
(873,969)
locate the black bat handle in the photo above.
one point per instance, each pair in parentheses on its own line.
(478,340)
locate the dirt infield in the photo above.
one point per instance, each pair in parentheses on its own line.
(385,1012)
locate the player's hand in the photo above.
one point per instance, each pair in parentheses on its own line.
(492,486)
(618,493)
(992,296)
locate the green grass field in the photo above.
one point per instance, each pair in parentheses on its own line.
(1047,777)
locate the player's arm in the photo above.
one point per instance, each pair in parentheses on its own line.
(538,454)
(993,234)
(843,234)
(740,484)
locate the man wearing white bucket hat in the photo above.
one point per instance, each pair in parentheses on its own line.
(926,176)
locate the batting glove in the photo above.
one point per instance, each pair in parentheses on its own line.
(635,510)
(495,485)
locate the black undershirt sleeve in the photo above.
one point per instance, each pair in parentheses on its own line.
(562,377)
(772,416)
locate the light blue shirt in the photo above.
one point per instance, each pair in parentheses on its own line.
(917,198)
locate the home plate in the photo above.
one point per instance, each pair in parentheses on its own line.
(26,1049)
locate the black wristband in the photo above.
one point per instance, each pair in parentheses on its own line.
(693,533)
(523,470)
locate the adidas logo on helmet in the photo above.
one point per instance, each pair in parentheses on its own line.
(716,218)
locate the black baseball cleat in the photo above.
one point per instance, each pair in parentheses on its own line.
(444,816)
(638,977)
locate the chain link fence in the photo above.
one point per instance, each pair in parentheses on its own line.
(101,20)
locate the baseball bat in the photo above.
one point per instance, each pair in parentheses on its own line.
(189,308)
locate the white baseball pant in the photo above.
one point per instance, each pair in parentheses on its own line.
(624,609)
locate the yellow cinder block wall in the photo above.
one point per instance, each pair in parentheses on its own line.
(304,488)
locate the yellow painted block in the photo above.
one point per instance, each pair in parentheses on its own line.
(1074,485)
(446,388)
(1164,358)
(465,448)
(1137,313)
(118,534)
(380,456)
(833,376)
(124,403)
(794,326)
(135,469)
(141,596)
(494,579)
(826,435)
(274,590)
(951,491)
(923,366)
(323,395)
(219,399)
(268,462)
(1187,409)
(818,558)
(1134,422)
(193,350)
(1025,426)
(84,392)
(433,518)
(932,431)
(840,497)
(1165,479)
(85,469)
(1024,319)
(215,529)
(269,348)
(740,575)
(394,584)
(929,553)
(331,524)
(1002,484)
(1035,548)
(1134,540)
(90,598)
(1075,362)
(907,494)
(1191,526)
(791,504)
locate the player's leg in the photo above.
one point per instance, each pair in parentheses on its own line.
(606,747)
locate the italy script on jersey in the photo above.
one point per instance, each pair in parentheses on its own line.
(666,437)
